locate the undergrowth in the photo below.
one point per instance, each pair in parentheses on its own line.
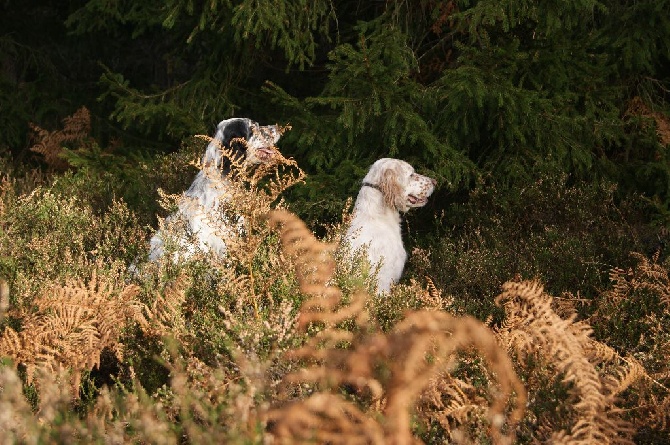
(566,234)
(280,342)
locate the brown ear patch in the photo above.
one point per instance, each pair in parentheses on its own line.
(391,188)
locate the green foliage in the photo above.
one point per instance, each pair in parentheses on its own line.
(293,25)
(50,237)
(643,48)
(523,86)
(163,113)
(369,108)
(566,235)
(101,176)
(547,18)
(102,16)
(564,63)
(379,108)
(24,96)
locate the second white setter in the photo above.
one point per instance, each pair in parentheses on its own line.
(390,187)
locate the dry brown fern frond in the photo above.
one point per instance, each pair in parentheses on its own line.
(565,348)
(388,371)
(451,402)
(659,412)
(165,317)
(419,349)
(650,276)
(314,265)
(76,130)
(431,297)
(324,418)
(637,107)
(70,327)
(313,259)
(422,347)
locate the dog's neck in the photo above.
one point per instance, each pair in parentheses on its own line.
(374,186)
(372,203)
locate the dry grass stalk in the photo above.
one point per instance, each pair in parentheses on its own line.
(165,317)
(648,275)
(432,298)
(453,402)
(4,298)
(16,417)
(6,187)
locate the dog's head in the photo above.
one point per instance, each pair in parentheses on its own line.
(245,139)
(401,187)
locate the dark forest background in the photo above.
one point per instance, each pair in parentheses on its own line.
(465,90)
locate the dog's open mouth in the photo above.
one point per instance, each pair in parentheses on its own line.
(416,201)
(265,154)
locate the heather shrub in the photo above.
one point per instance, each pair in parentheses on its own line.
(47,238)
(567,235)
(633,317)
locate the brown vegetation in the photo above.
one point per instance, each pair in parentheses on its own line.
(50,144)
(277,343)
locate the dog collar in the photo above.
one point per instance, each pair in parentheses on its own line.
(374,186)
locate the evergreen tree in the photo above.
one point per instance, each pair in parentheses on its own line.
(509,87)
(458,88)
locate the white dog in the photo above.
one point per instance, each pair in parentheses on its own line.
(205,226)
(391,186)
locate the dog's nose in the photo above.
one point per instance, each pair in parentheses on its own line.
(434,182)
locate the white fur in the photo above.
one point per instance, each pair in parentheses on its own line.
(390,187)
(205,227)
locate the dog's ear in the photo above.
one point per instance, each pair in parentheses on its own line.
(234,133)
(391,188)
(230,135)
